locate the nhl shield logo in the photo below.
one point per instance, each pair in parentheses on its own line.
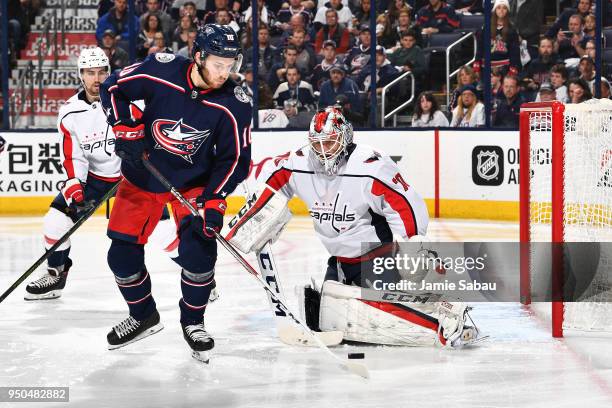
(488,165)
(178,138)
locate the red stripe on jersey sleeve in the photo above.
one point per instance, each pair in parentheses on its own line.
(405,313)
(279,178)
(399,204)
(67,147)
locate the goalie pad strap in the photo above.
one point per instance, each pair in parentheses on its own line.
(406,313)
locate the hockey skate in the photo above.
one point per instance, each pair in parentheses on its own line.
(453,333)
(131,330)
(199,341)
(50,285)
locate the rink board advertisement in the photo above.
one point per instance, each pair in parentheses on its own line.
(477,171)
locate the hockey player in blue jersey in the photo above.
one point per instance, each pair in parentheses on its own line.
(196,130)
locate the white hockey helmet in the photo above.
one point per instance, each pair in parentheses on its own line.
(329,136)
(92,58)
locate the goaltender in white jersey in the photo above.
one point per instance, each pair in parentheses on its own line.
(359,203)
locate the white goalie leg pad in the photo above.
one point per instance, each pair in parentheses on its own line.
(55,225)
(164,237)
(341,309)
(259,221)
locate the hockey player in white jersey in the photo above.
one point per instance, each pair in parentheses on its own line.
(359,201)
(92,169)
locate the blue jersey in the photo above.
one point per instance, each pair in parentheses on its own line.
(195,137)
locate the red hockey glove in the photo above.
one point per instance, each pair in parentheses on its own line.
(72,191)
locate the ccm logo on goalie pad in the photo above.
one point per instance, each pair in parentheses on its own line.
(252,205)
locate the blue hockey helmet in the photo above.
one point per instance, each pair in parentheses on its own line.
(219,40)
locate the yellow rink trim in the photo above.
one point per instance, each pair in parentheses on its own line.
(489,210)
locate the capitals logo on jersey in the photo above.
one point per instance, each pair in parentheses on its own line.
(178,138)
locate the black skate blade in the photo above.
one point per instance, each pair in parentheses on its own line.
(201,356)
(150,331)
(54,294)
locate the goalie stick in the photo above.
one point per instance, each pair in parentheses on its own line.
(63,239)
(351,366)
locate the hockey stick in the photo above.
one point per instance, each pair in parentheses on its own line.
(354,367)
(63,239)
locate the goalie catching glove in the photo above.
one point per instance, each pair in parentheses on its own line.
(259,221)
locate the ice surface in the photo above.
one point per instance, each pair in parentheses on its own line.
(63,342)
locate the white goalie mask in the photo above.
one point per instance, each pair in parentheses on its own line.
(329,136)
(92,58)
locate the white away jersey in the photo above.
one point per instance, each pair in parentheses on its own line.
(367,202)
(88,142)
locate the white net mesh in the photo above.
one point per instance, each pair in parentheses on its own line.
(587,188)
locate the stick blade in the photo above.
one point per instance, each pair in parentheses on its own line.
(294,336)
(358,368)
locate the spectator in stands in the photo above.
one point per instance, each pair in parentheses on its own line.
(339,84)
(186,50)
(181,33)
(427,112)
(466,76)
(538,69)
(571,44)
(527,17)
(395,6)
(362,14)
(589,25)
(223,17)
(211,16)
(166,20)
(579,91)
(404,24)
(294,7)
(469,111)
(333,31)
(189,8)
(508,104)
(117,56)
(583,8)
(306,58)
(437,17)
(268,115)
(117,20)
(247,79)
(505,46)
(385,72)
(345,16)
(558,77)
(605,88)
(265,15)
(159,44)
(384,30)
(359,56)
(266,52)
(278,71)
(295,97)
(547,93)
(296,22)
(147,36)
(409,57)
(321,71)
(496,83)
(590,49)
(587,71)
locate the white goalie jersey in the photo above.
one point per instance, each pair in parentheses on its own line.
(88,142)
(368,201)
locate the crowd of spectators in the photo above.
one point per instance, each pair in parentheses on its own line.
(316,53)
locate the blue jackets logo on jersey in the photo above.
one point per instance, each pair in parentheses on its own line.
(178,138)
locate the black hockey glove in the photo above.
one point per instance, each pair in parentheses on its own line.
(210,219)
(129,142)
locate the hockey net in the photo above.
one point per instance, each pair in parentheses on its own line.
(566,196)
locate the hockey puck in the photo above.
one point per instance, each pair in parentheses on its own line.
(355,356)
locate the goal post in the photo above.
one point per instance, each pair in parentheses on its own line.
(566,196)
